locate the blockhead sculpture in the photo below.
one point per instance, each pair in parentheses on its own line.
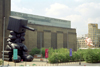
(17,27)
(18,24)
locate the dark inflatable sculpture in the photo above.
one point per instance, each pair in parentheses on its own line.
(17,27)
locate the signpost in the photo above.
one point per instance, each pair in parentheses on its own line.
(15,53)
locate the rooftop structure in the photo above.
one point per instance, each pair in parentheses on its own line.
(41,20)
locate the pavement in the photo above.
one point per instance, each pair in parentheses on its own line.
(84,64)
(37,62)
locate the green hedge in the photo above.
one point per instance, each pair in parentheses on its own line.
(62,55)
(43,52)
(35,51)
(92,56)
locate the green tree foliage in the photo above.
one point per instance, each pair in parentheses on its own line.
(62,55)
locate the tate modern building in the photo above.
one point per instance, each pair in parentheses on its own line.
(50,32)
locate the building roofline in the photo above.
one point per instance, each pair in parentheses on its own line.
(41,16)
(51,26)
(92,23)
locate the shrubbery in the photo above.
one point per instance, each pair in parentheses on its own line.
(43,52)
(1,62)
(92,56)
(35,51)
(62,55)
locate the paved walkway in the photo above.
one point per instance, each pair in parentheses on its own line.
(37,62)
(83,64)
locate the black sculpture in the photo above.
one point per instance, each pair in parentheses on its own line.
(17,27)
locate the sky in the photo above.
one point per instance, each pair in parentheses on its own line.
(79,12)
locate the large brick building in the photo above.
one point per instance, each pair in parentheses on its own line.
(50,32)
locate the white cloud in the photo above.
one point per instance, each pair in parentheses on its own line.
(73,18)
(15,1)
(93,20)
(78,0)
(57,9)
(79,16)
(89,9)
(16,6)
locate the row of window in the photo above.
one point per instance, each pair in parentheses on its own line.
(40,38)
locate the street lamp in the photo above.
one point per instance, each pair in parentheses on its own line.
(3,41)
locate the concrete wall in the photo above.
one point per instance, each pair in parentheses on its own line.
(59,40)
(47,37)
(65,37)
(4,12)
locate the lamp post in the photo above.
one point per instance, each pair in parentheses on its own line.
(3,41)
(41,42)
(41,46)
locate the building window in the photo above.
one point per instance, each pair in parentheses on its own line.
(54,40)
(40,40)
(65,41)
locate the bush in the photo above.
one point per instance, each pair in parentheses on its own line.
(98,54)
(81,53)
(51,50)
(67,57)
(35,51)
(53,58)
(43,52)
(91,56)
(1,62)
(76,56)
(62,55)
(58,55)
